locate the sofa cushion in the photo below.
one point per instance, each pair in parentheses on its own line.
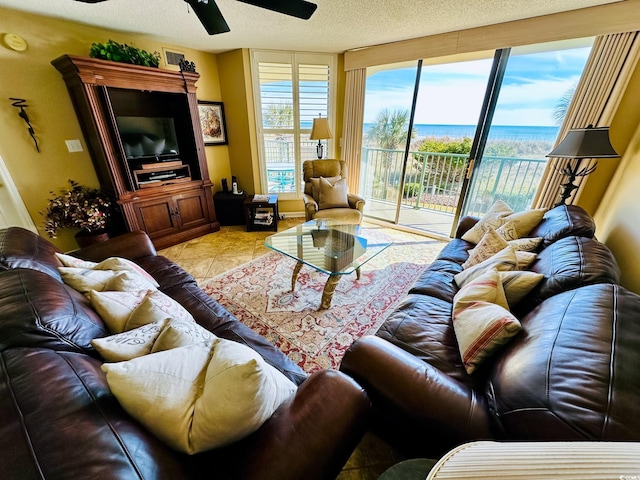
(39,311)
(436,283)
(564,221)
(571,374)
(200,396)
(21,248)
(569,263)
(59,419)
(504,260)
(422,326)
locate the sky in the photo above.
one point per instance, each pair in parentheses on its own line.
(453,93)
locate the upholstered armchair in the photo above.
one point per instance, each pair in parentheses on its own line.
(325,192)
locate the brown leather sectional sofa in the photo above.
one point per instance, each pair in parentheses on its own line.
(572,373)
(59,419)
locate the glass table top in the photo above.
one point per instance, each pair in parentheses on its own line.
(328,246)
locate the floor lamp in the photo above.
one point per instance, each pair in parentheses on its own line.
(590,142)
(320,131)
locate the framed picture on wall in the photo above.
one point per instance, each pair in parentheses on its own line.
(214,125)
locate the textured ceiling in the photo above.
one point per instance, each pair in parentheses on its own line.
(336,26)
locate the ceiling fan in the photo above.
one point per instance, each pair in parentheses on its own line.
(211,17)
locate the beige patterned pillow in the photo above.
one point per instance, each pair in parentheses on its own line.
(526,244)
(201,396)
(509,224)
(504,260)
(481,319)
(114,273)
(333,195)
(122,311)
(127,345)
(490,244)
(150,338)
(493,218)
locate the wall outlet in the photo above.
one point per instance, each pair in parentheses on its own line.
(73,145)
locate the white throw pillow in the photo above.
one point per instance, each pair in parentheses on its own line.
(518,284)
(526,244)
(70,261)
(201,396)
(481,319)
(122,311)
(114,273)
(504,260)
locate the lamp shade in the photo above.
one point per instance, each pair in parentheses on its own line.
(587,142)
(320,129)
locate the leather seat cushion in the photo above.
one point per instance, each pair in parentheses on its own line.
(59,419)
(564,221)
(40,311)
(569,263)
(422,326)
(20,248)
(571,373)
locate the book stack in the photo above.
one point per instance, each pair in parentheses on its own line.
(263,218)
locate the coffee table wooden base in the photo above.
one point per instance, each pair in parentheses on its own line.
(329,287)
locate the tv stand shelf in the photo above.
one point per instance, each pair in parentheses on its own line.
(146,143)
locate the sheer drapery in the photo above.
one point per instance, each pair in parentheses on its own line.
(598,94)
(353,124)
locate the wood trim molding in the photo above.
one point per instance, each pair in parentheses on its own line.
(622,16)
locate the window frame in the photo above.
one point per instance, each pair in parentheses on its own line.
(295,59)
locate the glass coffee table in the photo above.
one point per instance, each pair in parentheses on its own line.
(329,247)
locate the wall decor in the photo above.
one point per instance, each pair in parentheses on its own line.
(214,125)
(21,104)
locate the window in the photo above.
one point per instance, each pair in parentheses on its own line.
(290,90)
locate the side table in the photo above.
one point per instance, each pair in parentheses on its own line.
(262,215)
(229,208)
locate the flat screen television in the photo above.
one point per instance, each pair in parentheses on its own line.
(148,137)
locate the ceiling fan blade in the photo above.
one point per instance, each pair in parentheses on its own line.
(90,1)
(210,16)
(295,8)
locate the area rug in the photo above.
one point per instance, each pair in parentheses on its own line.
(259,294)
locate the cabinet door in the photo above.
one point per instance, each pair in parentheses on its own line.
(158,217)
(191,209)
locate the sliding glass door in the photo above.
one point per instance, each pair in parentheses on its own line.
(450,137)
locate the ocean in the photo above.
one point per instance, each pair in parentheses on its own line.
(497,132)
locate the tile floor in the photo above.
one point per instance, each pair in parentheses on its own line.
(213,254)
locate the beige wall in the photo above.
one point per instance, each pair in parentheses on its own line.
(31,76)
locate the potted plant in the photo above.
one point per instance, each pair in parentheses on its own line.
(81,208)
(121,52)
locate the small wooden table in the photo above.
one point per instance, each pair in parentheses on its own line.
(261,215)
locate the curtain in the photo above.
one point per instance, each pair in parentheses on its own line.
(353,121)
(598,94)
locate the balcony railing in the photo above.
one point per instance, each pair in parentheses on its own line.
(433,181)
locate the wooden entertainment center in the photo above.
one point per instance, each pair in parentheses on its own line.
(143,131)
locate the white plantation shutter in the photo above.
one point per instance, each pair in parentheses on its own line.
(290,90)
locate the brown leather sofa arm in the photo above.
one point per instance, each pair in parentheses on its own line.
(465,224)
(443,406)
(131,245)
(310,206)
(356,201)
(311,436)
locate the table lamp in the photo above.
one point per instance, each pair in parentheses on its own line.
(320,131)
(590,142)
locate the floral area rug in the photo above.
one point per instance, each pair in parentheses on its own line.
(259,294)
